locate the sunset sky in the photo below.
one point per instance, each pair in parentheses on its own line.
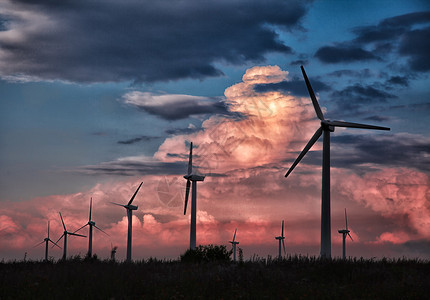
(98,96)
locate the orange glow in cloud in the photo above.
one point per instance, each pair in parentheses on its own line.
(248,158)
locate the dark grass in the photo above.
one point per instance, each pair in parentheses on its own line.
(290,278)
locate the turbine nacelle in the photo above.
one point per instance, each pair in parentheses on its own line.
(130,207)
(280,238)
(194,177)
(91,223)
(233,242)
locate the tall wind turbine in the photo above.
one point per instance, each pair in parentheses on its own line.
(327,126)
(234,243)
(65,234)
(129,209)
(281,238)
(92,224)
(190,177)
(345,232)
(46,241)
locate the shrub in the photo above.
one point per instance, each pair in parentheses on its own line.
(206,254)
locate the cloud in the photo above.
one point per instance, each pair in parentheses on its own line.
(295,87)
(174,107)
(344,54)
(137,139)
(404,36)
(93,41)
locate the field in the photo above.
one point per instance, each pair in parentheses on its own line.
(290,278)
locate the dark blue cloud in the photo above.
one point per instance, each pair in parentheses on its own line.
(344,54)
(143,138)
(296,87)
(145,41)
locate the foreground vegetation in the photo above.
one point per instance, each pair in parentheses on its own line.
(216,278)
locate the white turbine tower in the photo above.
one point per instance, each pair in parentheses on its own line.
(327,126)
(190,177)
(92,224)
(234,243)
(129,209)
(345,232)
(281,238)
(46,241)
(65,234)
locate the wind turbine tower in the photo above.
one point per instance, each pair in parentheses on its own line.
(281,238)
(65,234)
(326,127)
(129,209)
(234,243)
(345,232)
(92,224)
(46,241)
(192,178)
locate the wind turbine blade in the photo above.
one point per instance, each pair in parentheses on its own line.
(135,193)
(38,244)
(346,221)
(190,160)
(350,237)
(48,229)
(80,228)
(62,221)
(355,125)
(118,204)
(283,244)
(75,234)
(100,230)
(91,205)
(187,193)
(282,232)
(54,243)
(58,239)
(312,94)
(312,141)
(234,236)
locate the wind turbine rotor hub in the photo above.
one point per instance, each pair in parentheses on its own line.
(131,207)
(91,223)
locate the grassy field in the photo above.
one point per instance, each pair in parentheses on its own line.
(290,278)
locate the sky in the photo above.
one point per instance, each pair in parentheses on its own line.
(98,96)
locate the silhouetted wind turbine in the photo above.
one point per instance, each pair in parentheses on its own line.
(190,177)
(65,233)
(327,126)
(129,209)
(281,238)
(234,243)
(46,241)
(345,232)
(113,252)
(90,236)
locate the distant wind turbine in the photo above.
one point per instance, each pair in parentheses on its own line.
(46,241)
(190,177)
(129,209)
(281,238)
(65,234)
(90,237)
(345,232)
(234,243)
(113,252)
(327,126)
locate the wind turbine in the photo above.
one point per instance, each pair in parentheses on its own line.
(129,209)
(281,238)
(91,224)
(46,241)
(234,243)
(327,126)
(190,177)
(345,232)
(113,252)
(65,233)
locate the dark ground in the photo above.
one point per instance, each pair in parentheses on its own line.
(293,278)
